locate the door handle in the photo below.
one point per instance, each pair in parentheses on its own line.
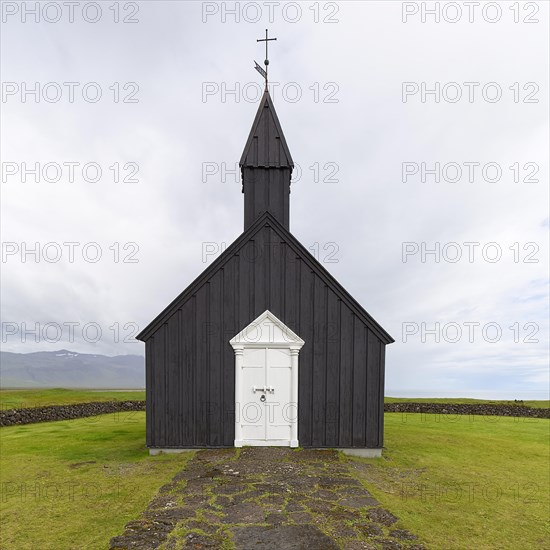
(262,398)
(268,389)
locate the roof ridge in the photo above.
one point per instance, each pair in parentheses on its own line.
(305,255)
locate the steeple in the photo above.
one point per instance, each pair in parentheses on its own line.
(266,167)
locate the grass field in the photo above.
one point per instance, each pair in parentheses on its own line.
(11,399)
(472,482)
(458,483)
(74,484)
(58,396)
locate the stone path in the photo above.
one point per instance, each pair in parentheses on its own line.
(263,498)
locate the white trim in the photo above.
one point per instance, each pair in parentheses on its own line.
(294,393)
(271,345)
(265,443)
(238,372)
(290,339)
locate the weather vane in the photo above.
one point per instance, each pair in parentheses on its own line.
(266,62)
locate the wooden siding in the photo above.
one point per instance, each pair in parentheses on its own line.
(266,144)
(266,190)
(191,365)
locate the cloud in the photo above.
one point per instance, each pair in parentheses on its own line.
(360,62)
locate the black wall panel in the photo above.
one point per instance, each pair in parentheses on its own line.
(190,363)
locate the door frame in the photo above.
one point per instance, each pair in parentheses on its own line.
(281,337)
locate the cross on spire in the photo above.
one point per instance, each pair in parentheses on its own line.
(266,61)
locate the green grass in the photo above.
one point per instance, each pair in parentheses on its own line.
(540,404)
(74,484)
(11,399)
(468,482)
(458,482)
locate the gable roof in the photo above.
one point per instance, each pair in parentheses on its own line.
(266,144)
(267,219)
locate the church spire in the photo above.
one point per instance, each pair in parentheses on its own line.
(266,167)
(266,144)
(266,164)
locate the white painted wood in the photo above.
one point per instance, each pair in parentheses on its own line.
(253,422)
(266,364)
(239,352)
(267,331)
(263,443)
(294,397)
(278,373)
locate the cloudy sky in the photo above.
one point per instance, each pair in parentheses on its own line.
(421,140)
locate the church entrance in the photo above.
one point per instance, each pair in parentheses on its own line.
(266,383)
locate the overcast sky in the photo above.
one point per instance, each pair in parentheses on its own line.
(371,95)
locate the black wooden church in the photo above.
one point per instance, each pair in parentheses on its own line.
(265,347)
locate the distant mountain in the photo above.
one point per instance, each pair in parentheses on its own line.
(67,369)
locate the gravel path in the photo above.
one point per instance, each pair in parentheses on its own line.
(264,498)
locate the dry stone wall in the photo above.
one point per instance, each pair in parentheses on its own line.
(51,413)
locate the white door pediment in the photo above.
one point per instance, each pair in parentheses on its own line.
(267,330)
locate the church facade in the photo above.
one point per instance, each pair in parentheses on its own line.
(265,347)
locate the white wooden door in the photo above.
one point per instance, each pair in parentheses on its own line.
(279,409)
(266,383)
(267,411)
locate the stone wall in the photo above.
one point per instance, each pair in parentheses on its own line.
(51,413)
(11,417)
(467,409)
